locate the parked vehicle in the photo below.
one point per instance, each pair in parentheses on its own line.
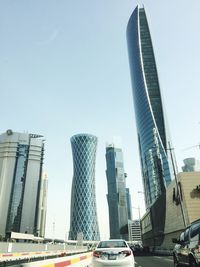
(187,249)
(136,248)
(114,252)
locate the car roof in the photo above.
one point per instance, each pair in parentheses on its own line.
(195,221)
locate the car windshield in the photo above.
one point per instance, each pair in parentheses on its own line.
(112,244)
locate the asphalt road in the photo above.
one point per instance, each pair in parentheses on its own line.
(153,261)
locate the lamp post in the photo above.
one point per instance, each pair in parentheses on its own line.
(53,230)
(66,236)
(137,208)
(141,192)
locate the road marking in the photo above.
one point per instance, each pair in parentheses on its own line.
(165,259)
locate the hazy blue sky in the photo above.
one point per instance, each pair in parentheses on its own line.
(64,70)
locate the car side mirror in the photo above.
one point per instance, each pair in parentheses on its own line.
(175,240)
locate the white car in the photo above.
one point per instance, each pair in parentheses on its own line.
(114,252)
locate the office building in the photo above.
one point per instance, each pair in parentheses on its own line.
(116,197)
(191,165)
(83,220)
(21,162)
(152,132)
(135,231)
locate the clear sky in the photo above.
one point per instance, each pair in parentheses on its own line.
(64,70)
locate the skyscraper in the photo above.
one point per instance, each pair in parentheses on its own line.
(117,205)
(191,165)
(152,130)
(42,206)
(21,161)
(83,218)
(129,205)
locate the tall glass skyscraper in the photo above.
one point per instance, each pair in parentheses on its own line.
(21,162)
(151,125)
(129,205)
(83,218)
(117,201)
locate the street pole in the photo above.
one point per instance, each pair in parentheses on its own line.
(53,231)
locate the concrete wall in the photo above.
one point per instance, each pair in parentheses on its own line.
(174,223)
(190,180)
(29,247)
(51,256)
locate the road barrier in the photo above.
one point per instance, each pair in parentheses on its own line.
(25,252)
(83,260)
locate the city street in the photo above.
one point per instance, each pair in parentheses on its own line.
(153,261)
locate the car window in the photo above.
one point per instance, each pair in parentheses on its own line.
(112,244)
(182,236)
(195,229)
(186,235)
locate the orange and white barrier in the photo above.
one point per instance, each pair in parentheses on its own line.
(82,260)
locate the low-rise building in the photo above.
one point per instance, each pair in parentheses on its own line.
(172,212)
(134,231)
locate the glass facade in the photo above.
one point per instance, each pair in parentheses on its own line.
(16,201)
(21,164)
(83,195)
(129,205)
(149,113)
(116,197)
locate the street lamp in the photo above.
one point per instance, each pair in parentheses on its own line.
(141,192)
(137,208)
(66,236)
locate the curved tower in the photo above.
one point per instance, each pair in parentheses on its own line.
(151,127)
(83,220)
